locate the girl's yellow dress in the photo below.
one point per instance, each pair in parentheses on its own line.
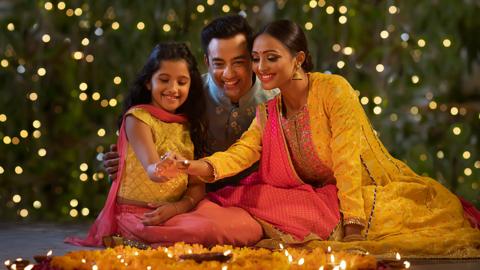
(400,210)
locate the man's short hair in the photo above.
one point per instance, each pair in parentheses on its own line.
(226,27)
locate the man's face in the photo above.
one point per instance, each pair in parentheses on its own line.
(230,66)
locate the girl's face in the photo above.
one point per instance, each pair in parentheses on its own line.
(272,62)
(170,85)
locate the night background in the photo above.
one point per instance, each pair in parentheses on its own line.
(66,66)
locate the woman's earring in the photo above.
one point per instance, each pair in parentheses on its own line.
(297,76)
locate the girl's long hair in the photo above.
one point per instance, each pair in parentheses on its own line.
(194,107)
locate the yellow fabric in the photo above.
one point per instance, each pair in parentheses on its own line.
(136,185)
(401,211)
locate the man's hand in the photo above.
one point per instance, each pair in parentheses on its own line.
(163,212)
(110,162)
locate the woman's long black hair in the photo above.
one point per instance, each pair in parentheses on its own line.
(194,106)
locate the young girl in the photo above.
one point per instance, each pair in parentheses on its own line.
(161,114)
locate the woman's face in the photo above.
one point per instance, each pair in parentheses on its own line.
(272,62)
(170,85)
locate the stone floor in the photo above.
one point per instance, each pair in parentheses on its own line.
(27,240)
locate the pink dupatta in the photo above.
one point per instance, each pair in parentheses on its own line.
(105,224)
(276,194)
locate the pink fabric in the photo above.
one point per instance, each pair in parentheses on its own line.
(471,213)
(276,195)
(208,224)
(105,223)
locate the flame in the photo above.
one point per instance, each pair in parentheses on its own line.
(407,264)
(281,246)
(224,267)
(398,257)
(227,252)
(320,268)
(343,264)
(290,259)
(332,258)
(84,261)
(301,261)
(29,267)
(94,267)
(7,262)
(49,253)
(329,249)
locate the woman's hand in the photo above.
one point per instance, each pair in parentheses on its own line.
(165,169)
(163,212)
(353,232)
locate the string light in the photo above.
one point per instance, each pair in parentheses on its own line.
(16,198)
(61,5)
(166,27)
(46,38)
(432,105)
(200,8)
(225,8)
(348,50)
(23,213)
(336,47)
(308,26)
(457,131)
(384,34)
(454,111)
(379,68)
(392,9)
(85,212)
(74,213)
(41,71)
(83,167)
(101,132)
(85,41)
(33,96)
(37,204)
(10,27)
(330,10)
(36,124)
(78,12)
(340,64)
(89,58)
(364,100)
(18,170)
(210,2)
(377,100)
(112,102)
(140,25)
(342,19)
(48,6)
(74,203)
(117,80)
(4,63)
(42,152)
(312,4)
(446,43)
(421,43)
(377,110)
(115,25)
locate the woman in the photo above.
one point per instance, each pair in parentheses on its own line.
(314,137)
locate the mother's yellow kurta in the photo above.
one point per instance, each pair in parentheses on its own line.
(400,210)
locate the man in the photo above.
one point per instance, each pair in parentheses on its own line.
(231,89)
(232,94)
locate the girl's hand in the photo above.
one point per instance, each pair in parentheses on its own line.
(353,232)
(163,170)
(163,212)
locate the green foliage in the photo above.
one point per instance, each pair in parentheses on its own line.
(410,129)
